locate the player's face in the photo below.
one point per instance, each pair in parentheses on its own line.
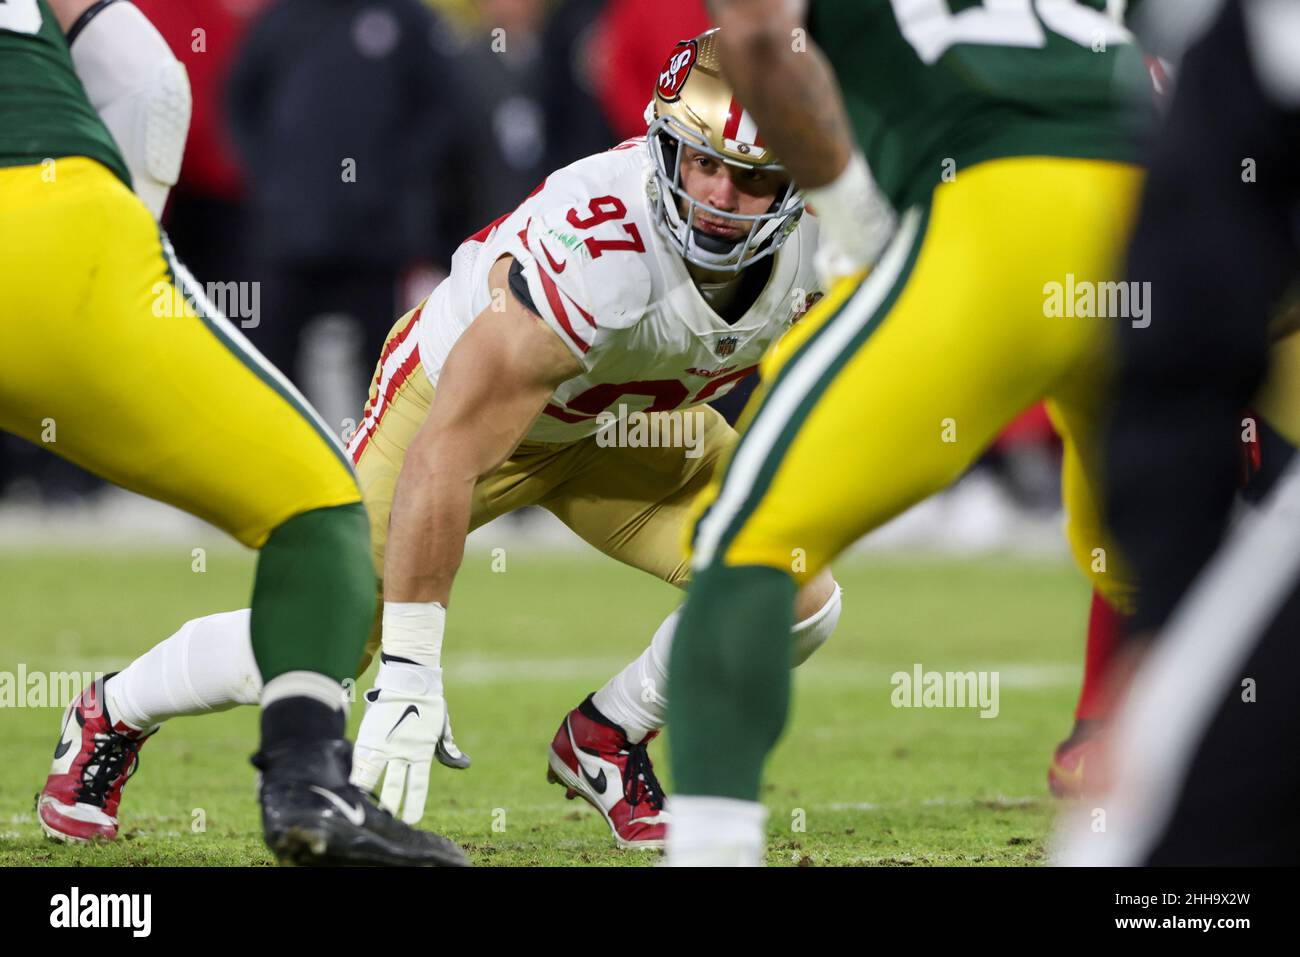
(732,189)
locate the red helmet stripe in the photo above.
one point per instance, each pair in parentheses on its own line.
(733,120)
(740,126)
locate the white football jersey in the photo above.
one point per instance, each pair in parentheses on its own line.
(604,280)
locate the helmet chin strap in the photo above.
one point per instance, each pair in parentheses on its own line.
(715,249)
(715,244)
(715,284)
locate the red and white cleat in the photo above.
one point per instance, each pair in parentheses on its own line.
(92,761)
(592,758)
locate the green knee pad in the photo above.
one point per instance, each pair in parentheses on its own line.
(314,594)
(729,679)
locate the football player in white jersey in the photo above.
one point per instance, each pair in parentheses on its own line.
(630,289)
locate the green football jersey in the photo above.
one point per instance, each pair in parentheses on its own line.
(44,110)
(934,86)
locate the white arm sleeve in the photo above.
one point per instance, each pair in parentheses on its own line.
(142,93)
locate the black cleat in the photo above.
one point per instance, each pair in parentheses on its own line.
(312,816)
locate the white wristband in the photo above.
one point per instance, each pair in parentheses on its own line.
(413,630)
(855,219)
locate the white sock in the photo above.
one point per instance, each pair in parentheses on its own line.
(208,665)
(635,698)
(714,832)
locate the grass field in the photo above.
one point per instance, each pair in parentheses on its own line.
(868,782)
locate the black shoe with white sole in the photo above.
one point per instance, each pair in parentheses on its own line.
(312,816)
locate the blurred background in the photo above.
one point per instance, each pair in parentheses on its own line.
(341,150)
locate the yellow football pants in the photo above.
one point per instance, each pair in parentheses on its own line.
(104,362)
(896,382)
(1279,399)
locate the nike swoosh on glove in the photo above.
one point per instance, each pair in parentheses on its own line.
(405,725)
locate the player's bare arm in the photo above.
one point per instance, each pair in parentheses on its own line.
(67,11)
(785,81)
(787,86)
(495,382)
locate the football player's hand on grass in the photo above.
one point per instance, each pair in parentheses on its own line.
(405,727)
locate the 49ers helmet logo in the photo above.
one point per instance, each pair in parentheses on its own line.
(676,70)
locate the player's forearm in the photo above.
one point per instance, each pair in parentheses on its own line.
(427,527)
(493,385)
(435,489)
(785,83)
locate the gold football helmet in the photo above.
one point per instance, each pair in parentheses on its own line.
(694,106)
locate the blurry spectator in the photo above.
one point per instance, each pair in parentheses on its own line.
(507,135)
(575,122)
(636,37)
(205,215)
(343,111)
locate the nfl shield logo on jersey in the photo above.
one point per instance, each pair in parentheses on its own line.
(726,346)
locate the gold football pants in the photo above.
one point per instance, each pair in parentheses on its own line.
(632,504)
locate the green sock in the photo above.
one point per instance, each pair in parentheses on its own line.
(314,594)
(729,679)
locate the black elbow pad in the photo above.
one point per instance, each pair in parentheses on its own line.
(519,286)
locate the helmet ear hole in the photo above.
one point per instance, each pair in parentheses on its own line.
(668,149)
(782,197)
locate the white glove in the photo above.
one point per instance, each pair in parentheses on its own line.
(405,726)
(855,222)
